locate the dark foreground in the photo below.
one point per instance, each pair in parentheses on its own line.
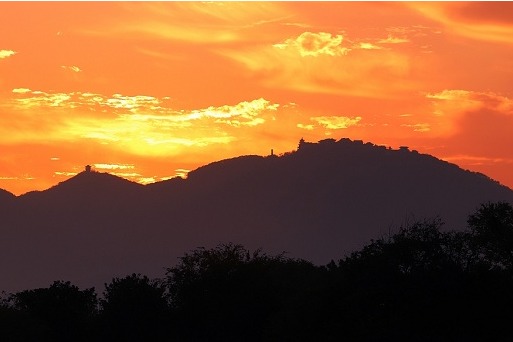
(419,284)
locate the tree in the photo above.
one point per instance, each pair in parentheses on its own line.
(230,294)
(405,283)
(61,312)
(134,308)
(492,231)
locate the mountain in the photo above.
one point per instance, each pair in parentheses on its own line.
(6,196)
(319,202)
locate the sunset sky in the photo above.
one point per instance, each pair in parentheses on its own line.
(150,90)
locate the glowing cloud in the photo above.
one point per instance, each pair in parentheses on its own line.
(307,127)
(321,63)
(21,90)
(182,173)
(79,99)
(452,108)
(315,44)
(466,100)
(6,53)
(139,124)
(72,68)
(113,166)
(336,122)
(393,40)
(368,46)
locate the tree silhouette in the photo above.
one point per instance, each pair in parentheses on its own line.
(420,283)
(61,312)
(492,229)
(230,294)
(134,308)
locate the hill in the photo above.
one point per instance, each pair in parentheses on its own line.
(317,203)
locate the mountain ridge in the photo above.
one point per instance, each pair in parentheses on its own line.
(305,145)
(320,202)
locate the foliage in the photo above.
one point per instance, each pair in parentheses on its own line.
(133,308)
(492,232)
(230,287)
(61,312)
(422,283)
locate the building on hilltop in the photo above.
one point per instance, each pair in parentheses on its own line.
(88,168)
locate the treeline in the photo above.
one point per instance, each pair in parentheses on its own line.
(419,284)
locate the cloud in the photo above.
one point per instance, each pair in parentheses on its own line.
(450,94)
(419,127)
(71,68)
(65,173)
(465,100)
(454,110)
(21,90)
(140,124)
(146,180)
(113,166)
(367,46)
(336,122)
(6,53)
(307,127)
(182,172)
(315,44)
(393,40)
(322,63)
(28,98)
(208,23)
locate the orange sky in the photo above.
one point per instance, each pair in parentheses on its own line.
(150,90)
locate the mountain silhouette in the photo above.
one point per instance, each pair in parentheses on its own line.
(6,196)
(320,202)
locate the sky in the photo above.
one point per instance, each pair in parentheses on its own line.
(151,90)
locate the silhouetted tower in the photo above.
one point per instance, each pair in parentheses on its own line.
(272,152)
(88,168)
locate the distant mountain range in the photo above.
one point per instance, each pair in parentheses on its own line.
(318,203)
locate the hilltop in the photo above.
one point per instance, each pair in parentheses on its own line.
(324,200)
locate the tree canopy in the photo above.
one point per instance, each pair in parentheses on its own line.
(420,283)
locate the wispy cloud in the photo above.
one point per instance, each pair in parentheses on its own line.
(104,166)
(71,68)
(467,100)
(321,62)
(419,127)
(336,122)
(198,23)
(390,39)
(474,20)
(141,124)
(456,110)
(367,46)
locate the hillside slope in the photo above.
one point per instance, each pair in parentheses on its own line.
(317,203)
